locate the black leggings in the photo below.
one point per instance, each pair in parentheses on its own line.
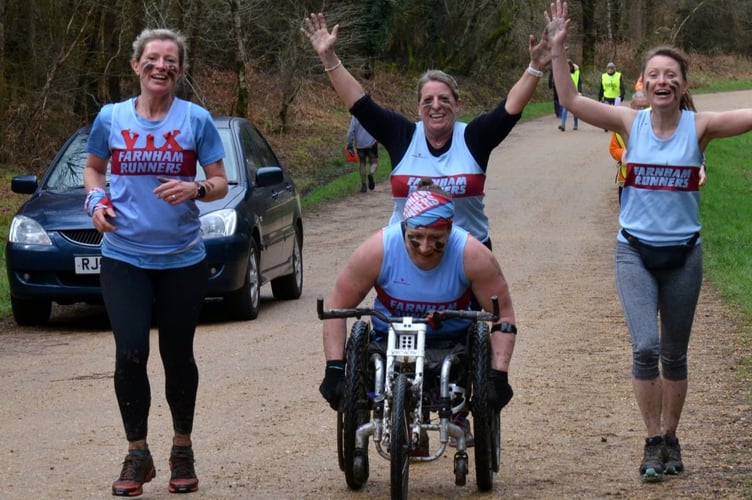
(132,295)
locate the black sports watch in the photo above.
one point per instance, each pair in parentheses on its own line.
(505,328)
(200,192)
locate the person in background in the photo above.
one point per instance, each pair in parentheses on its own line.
(658,249)
(453,153)
(574,70)
(153,256)
(368,152)
(611,90)
(405,262)
(557,106)
(617,148)
(638,86)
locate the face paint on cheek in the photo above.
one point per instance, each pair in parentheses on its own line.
(148,66)
(172,71)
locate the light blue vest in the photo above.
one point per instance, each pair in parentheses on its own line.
(455,171)
(402,289)
(660,203)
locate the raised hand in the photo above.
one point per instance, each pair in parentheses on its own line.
(557,23)
(314,28)
(540,52)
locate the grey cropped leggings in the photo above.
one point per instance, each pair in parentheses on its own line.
(647,295)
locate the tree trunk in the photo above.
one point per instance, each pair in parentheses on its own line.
(243,69)
(588,33)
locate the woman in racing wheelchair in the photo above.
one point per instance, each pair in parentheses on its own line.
(424,263)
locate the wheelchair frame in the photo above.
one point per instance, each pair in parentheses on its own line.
(392,414)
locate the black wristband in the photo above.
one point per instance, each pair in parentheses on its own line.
(504,328)
(502,376)
(337,364)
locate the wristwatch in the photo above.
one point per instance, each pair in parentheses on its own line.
(504,328)
(200,191)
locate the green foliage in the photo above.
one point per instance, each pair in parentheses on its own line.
(344,184)
(726,212)
(726,234)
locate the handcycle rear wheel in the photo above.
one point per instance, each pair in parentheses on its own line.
(485,423)
(400,439)
(355,409)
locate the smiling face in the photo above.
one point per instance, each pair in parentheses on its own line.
(438,108)
(425,245)
(665,81)
(158,68)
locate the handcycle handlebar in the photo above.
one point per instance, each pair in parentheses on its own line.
(359,312)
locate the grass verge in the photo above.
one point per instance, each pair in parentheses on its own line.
(726,233)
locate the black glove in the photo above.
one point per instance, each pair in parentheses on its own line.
(500,392)
(333,385)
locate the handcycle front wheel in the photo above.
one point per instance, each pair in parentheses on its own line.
(355,409)
(485,419)
(400,440)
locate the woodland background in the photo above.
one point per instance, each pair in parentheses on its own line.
(61,60)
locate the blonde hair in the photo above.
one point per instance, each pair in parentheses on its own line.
(148,35)
(435,75)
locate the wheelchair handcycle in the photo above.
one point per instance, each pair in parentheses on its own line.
(391,398)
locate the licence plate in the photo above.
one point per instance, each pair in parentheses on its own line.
(88,264)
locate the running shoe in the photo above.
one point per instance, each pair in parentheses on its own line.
(183,476)
(673,461)
(651,469)
(138,468)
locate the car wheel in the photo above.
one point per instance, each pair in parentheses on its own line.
(245,303)
(290,286)
(31,312)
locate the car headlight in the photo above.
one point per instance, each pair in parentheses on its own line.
(219,224)
(27,231)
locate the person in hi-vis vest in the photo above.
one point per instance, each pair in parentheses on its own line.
(611,86)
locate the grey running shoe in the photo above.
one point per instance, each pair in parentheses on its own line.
(183,476)
(673,462)
(138,468)
(651,469)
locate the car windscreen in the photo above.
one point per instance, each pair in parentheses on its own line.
(231,164)
(68,172)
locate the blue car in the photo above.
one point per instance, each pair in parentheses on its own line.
(253,236)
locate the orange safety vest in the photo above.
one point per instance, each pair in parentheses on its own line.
(621,169)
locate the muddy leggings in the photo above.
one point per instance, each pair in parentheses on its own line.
(644,294)
(132,295)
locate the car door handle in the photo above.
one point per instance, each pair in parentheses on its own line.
(288,188)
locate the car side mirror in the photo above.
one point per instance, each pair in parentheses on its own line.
(24,184)
(269,176)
